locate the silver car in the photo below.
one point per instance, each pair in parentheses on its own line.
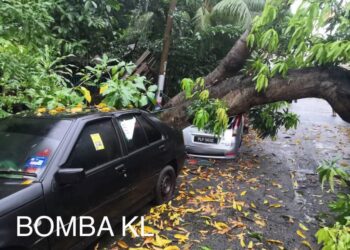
(199,143)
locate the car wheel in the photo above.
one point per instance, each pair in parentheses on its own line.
(165,185)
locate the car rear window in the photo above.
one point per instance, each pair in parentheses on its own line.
(27,144)
(151,132)
(133,133)
(97,144)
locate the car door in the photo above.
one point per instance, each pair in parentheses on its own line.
(99,152)
(139,156)
(158,149)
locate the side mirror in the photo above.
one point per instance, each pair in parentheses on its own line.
(66,176)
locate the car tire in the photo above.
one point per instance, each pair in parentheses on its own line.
(165,185)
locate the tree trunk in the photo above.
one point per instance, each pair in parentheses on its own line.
(331,84)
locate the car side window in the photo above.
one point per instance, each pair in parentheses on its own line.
(133,133)
(151,132)
(97,144)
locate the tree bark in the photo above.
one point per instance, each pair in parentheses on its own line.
(331,84)
(165,51)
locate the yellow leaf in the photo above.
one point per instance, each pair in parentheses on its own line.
(101,105)
(172,248)
(193,210)
(266,202)
(220,225)
(86,94)
(295,184)
(122,244)
(250,245)
(60,109)
(303,227)
(243,193)
(105,109)
(275,184)
(76,110)
(241,239)
(138,248)
(181,237)
(301,234)
(53,112)
(277,205)
(306,243)
(277,242)
(237,205)
(252,205)
(150,230)
(260,223)
(160,242)
(103,88)
(41,110)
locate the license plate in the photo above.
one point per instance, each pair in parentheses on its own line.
(206,139)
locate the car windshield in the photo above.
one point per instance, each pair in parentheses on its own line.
(27,145)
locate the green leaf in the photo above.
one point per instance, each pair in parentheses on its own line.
(152,88)
(187,85)
(143,101)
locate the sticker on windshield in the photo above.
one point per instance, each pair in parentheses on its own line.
(36,162)
(27,182)
(98,143)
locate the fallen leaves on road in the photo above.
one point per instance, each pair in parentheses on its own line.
(214,203)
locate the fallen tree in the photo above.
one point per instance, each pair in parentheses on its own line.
(288,67)
(331,84)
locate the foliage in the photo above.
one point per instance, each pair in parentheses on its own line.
(30,65)
(212,13)
(336,237)
(342,207)
(208,114)
(328,170)
(268,119)
(317,34)
(118,85)
(86,28)
(194,52)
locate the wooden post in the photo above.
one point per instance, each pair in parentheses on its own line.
(165,52)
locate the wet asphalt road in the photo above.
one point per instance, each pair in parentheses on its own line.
(274,182)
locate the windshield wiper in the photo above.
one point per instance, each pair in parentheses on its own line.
(18,173)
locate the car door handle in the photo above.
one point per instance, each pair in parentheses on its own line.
(121,170)
(162,147)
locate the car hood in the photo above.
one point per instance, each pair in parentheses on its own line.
(16,193)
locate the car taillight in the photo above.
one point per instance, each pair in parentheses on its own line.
(236,124)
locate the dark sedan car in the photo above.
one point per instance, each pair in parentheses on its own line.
(68,166)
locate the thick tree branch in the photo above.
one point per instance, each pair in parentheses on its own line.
(228,67)
(232,63)
(331,84)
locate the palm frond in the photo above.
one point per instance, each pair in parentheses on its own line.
(140,25)
(255,5)
(202,19)
(235,11)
